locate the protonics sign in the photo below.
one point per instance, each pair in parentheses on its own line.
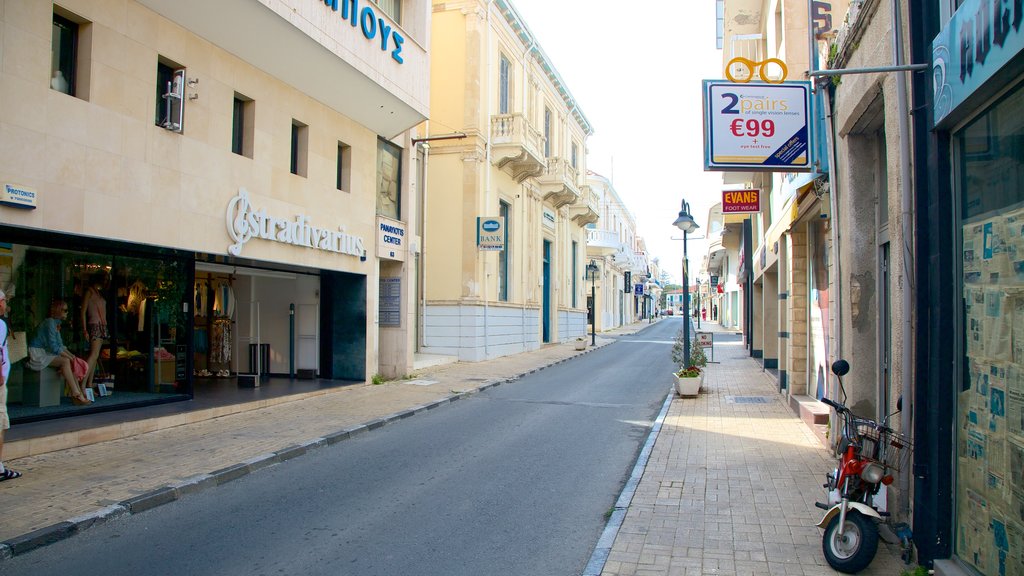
(741,201)
(978,42)
(245,223)
(490,233)
(19,197)
(371,25)
(390,239)
(757,126)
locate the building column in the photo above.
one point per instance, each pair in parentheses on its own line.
(798,303)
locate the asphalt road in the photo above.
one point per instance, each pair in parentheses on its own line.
(514,480)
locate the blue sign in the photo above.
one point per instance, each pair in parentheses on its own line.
(491,226)
(978,41)
(371,25)
(638,289)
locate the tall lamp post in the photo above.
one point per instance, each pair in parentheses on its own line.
(592,271)
(686,223)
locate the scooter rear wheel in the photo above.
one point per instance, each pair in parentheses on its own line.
(852,551)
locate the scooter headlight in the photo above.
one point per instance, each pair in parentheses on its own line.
(872,473)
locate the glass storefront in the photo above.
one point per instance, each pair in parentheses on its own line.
(989,524)
(120,317)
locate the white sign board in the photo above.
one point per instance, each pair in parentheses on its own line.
(757,126)
(705,339)
(19,197)
(391,239)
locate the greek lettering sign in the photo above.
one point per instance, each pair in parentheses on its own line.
(490,233)
(371,26)
(978,41)
(714,280)
(741,201)
(757,126)
(391,241)
(19,197)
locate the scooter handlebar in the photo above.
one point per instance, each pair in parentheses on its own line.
(839,407)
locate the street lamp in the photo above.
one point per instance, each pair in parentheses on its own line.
(592,271)
(686,223)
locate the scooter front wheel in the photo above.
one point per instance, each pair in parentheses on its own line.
(855,548)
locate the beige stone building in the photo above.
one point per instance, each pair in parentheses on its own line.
(209,203)
(507,143)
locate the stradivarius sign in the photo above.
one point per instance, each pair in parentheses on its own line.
(246,222)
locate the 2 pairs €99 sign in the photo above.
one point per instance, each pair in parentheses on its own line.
(759,125)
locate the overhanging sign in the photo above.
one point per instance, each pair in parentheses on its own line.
(741,201)
(979,40)
(490,233)
(757,126)
(390,239)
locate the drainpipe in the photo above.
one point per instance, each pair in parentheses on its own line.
(487,172)
(907,228)
(424,149)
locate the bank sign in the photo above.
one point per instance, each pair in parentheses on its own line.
(490,233)
(977,42)
(757,126)
(373,27)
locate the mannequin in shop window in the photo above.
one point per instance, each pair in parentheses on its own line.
(94,321)
(46,350)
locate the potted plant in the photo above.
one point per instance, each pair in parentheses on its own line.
(580,342)
(688,378)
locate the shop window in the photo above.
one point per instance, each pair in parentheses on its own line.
(989,461)
(299,148)
(122,316)
(170,95)
(243,116)
(389,179)
(344,173)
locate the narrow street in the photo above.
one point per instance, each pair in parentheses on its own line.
(514,480)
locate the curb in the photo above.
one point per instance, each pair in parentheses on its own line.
(611,530)
(166,494)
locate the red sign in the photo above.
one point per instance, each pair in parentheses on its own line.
(741,201)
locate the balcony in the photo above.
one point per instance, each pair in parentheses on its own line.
(602,242)
(558,183)
(587,209)
(516,146)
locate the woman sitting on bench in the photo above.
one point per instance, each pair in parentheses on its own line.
(46,350)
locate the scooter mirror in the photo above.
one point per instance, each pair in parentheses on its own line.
(840,367)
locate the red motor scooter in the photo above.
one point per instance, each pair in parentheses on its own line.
(869,453)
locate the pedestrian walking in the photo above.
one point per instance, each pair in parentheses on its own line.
(704,314)
(714,312)
(5,371)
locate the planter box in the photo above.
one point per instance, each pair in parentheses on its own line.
(580,344)
(688,386)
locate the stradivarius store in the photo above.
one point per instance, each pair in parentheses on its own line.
(283,300)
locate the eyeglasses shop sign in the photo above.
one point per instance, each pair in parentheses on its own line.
(490,233)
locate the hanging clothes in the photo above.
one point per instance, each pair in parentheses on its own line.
(220,341)
(202,296)
(223,299)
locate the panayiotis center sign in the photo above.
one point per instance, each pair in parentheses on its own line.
(245,223)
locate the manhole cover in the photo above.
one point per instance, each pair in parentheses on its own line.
(747,399)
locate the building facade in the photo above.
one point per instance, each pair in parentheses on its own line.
(203,207)
(507,142)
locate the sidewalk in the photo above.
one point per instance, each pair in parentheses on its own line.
(730,485)
(66,491)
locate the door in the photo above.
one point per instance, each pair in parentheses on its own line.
(307,326)
(546,312)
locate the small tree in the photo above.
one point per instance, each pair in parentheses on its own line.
(697,356)
(679,358)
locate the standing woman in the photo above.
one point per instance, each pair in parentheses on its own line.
(94,321)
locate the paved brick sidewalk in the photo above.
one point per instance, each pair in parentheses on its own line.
(68,490)
(730,487)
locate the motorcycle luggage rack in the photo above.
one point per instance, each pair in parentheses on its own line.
(889,447)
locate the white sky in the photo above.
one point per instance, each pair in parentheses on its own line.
(635,71)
